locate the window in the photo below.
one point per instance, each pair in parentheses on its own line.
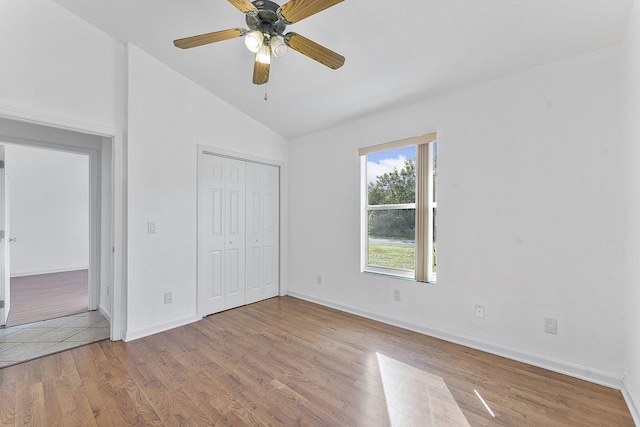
(399,208)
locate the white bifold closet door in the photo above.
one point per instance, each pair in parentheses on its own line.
(262,232)
(238,233)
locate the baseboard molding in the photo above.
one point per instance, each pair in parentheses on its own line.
(61,270)
(633,402)
(135,334)
(104,312)
(541,361)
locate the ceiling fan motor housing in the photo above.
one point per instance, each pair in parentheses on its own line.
(266,20)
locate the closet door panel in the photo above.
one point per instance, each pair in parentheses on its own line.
(211,189)
(255,224)
(234,287)
(271,233)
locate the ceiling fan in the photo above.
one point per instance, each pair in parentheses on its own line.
(267,21)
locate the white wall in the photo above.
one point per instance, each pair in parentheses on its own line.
(58,68)
(632,225)
(49,202)
(54,63)
(529,217)
(168,116)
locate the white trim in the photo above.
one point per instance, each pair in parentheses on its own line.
(577,371)
(633,402)
(58,270)
(119,234)
(206,149)
(105,313)
(91,149)
(117,260)
(391,207)
(135,334)
(95,243)
(397,273)
(18,114)
(364,215)
(416,140)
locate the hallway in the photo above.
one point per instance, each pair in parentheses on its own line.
(48,296)
(49,313)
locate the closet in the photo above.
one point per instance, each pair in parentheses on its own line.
(238,232)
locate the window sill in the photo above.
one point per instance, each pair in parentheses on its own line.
(395,274)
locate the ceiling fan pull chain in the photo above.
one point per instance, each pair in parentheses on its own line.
(266,98)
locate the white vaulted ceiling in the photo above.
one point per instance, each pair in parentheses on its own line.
(397,52)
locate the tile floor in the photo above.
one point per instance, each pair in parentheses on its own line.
(26,342)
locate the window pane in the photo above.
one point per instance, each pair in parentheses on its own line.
(391,177)
(392,238)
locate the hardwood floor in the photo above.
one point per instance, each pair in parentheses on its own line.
(289,362)
(48,296)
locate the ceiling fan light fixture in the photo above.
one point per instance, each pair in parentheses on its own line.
(254,41)
(278,47)
(264,55)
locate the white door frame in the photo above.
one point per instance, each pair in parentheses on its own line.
(94,206)
(204,149)
(5,240)
(112,270)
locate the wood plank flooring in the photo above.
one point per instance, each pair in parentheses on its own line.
(287,362)
(48,296)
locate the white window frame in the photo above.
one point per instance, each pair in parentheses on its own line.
(366,208)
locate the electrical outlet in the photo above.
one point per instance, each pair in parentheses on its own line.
(479,312)
(396,295)
(168,298)
(551,326)
(318,279)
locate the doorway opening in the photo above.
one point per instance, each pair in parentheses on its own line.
(49,213)
(104,149)
(103,271)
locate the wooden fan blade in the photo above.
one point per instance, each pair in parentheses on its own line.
(244,6)
(260,72)
(218,36)
(314,51)
(296,10)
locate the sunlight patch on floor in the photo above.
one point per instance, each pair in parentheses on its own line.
(417,398)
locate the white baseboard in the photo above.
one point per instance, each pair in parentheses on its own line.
(633,402)
(541,361)
(135,334)
(104,312)
(61,270)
